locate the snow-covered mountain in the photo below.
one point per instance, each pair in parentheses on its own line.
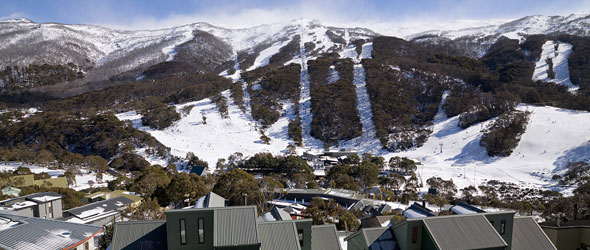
(475,41)
(448,151)
(100,52)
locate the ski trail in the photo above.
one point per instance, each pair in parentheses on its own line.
(367,142)
(559,58)
(305,98)
(237,77)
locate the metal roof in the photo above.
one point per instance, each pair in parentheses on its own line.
(417,211)
(210,200)
(324,237)
(145,235)
(105,206)
(464,208)
(278,235)
(280,214)
(371,234)
(526,234)
(463,232)
(235,226)
(31,233)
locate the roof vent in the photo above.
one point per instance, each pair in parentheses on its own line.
(65,234)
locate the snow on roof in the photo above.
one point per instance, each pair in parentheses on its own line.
(6,223)
(20,232)
(23,204)
(462,210)
(45,198)
(97,210)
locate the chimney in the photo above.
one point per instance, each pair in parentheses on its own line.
(575,211)
(558,221)
(245,195)
(424,203)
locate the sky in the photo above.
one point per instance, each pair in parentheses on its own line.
(380,15)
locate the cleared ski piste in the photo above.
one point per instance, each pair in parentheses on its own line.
(553,137)
(560,64)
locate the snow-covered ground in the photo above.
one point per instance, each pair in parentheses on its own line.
(560,64)
(81,180)
(367,142)
(553,138)
(218,137)
(305,97)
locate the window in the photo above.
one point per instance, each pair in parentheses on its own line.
(182,232)
(414,235)
(50,207)
(300,236)
(201,229)
(86,246)
(503,227)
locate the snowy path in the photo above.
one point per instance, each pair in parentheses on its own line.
(367,142)
(560,64)
(305,99)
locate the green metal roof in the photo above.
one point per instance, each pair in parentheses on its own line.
(325,237)
(146,235)
(278,235)
(526,234)
(463,232)
(235,226)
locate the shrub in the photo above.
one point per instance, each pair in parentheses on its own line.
(503,135)
(295,131)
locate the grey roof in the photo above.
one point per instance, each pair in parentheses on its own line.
(145,235)
(463,232)
(42,195)
(106,205)
(280,214)
(527,234)
(235,226)
(371,234)
(210,200)
(35,233)
(278,235)
(464,208)
(417,211)
(375,221)
(37,198)
(324,237)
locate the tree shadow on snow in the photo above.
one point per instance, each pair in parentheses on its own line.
(579,153)
(471,153)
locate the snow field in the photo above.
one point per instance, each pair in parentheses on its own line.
(553,137)
(560,64)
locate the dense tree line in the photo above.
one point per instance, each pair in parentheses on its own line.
(270,85)
(69,137)
(16,77)
(295,131)
(286,52)
(403,103)
(334,105)
(158,115)
(502,135)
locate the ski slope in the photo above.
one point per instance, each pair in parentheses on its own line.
(367,142)
(218,137)
(560,64)
(553,137)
